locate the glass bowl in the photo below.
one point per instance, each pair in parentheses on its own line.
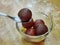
(37,15)
(41,9)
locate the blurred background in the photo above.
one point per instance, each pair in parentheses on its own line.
(8,32)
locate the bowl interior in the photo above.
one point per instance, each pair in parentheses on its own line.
(37,15)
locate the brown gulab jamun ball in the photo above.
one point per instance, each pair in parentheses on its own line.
(31,31)
(41,29)
(25,14)
(37,22)
(28,24)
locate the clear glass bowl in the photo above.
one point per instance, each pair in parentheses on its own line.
(38,15)
(41,9)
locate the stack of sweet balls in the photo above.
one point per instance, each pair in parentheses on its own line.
(33,28)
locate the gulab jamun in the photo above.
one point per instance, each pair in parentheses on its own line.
(37,22)
(41,29)
(31,32)
(28,24)
(25,14)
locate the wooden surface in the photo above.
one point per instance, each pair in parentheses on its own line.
(8,32)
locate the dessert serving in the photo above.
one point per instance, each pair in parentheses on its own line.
(33,27)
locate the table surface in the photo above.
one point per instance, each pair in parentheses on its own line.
(9,34)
